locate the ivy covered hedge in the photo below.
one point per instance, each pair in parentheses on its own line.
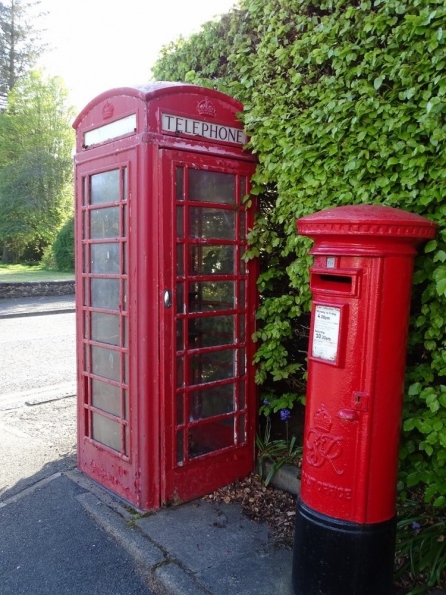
(345,103)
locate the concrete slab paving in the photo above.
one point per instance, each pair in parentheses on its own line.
(224,550)
(203,536)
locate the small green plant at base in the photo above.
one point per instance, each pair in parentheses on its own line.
(420,546)
(276,452)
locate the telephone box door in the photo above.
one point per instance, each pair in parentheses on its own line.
(208,393)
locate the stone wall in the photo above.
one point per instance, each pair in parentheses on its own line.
(34,289)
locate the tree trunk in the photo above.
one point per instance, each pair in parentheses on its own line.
(8,255)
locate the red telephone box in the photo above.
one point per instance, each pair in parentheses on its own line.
(361,285)
(165,301)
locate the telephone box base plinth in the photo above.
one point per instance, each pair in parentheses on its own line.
(336,557)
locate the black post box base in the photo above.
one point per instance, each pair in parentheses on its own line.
(334,557)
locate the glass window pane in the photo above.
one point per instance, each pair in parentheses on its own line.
(124,295)
(180,372)
(180,409)
(84,191)
(211,223)
(105,187)
(126,404)
(211,260)
(105,328)
(85,225)
(105,293)
(180,447)
(105,223)
(125,184)
(180,335)
(125,218)
(210,367)
(211,331)
(241,430)
(105,258)
(242,188)
(242,329)
(86,259)
(211,401)
(107,431)
(86,326)
(180,222)
(125,258)
(242,295)
(179,183)
(242,225)
(205,296)
(105,363)
(106,397)
(242,262)
(86,358)
(180,298)
(125,333)
(180,260)
(126,440)
(210,186)
(126,369)
(207,438)
(241,396)
(241,363)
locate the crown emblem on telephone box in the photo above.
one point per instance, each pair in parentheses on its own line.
(206,108)
(107,110)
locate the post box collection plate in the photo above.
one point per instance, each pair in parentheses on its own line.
(326,332)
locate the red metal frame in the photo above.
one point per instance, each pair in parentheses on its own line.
(131,448)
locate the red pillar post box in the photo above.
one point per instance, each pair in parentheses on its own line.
(361,285)
(165,302)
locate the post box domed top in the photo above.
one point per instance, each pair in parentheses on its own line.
(154,90)
(367,220)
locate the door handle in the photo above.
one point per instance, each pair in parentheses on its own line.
(167,299)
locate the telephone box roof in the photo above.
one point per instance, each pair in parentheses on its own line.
(149,91)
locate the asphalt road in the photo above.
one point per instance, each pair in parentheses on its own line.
(36,352)
(50,546)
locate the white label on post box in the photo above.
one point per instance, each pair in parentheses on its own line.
(177,124)
(326,333)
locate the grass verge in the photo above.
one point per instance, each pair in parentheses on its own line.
(21,273)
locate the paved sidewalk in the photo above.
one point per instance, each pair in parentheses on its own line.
(196,548)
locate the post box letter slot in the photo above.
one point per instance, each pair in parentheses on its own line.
(338,283)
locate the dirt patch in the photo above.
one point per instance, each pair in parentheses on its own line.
(275,508)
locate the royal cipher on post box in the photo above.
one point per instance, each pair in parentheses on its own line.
(165,301)
(361,286)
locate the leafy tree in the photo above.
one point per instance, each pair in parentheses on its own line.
(63,247)
(20,42)
(345,102)
(36,142)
